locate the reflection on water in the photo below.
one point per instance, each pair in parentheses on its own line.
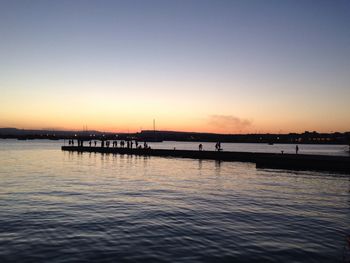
(61,206)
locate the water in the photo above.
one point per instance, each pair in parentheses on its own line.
(67,207)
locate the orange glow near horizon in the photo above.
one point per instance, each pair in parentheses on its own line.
(224,124)
(132,113)
(104,109)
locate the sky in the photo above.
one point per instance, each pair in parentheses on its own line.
(225,66)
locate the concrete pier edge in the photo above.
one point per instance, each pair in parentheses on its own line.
(340,164)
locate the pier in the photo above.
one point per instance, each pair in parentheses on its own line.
(262,160)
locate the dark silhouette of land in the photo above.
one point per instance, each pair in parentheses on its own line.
(158,136)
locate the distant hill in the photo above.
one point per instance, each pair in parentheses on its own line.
(306,137)
(41,134)
(154,136)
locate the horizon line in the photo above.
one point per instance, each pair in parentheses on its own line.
(177,131)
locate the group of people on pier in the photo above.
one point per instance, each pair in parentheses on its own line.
(129,144)
(217,147)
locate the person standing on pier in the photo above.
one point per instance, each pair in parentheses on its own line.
(296,149)
(200,147)
(218,147)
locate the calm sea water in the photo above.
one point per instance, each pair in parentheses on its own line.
(67,207)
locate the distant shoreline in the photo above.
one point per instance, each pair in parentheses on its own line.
(336,138)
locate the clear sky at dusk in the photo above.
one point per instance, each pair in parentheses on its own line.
(210,66)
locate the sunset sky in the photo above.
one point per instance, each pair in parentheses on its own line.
(210,66)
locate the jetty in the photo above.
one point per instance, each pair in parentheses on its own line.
(262,160)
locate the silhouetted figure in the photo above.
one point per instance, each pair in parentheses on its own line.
(145,145)
(102,144)
(131,143)
(200,147)
(95,143)
(72,142)
(90,143)
(136,144)
(218,146)
(296,149)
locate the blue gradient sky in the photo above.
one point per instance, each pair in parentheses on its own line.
(216,66)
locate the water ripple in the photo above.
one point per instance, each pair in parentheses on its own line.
(58,207)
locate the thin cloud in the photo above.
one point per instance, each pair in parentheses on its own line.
(228,122)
